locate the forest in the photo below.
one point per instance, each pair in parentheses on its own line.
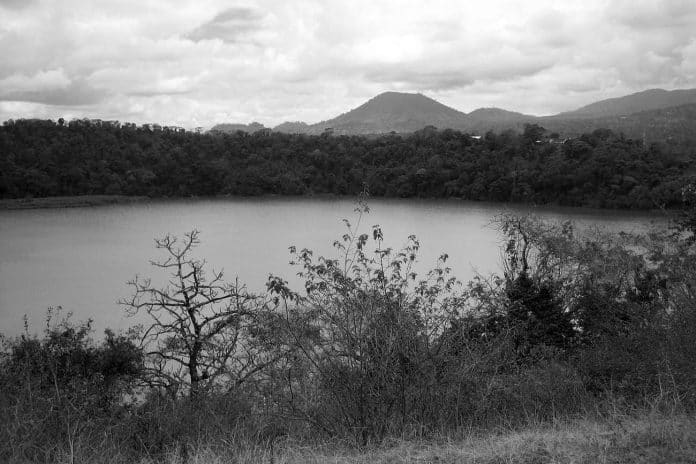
(44,158)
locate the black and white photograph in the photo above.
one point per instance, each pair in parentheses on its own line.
(347,232)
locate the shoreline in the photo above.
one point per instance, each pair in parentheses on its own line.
(68,201)
(81,201)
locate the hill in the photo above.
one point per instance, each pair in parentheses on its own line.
(496,119)
(653,99)
(393,111)
(656,113)
(676,125)
(296,127)
(233,128)
(496,114)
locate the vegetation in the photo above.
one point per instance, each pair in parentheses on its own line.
(201,326)
(598,169)
(581,349)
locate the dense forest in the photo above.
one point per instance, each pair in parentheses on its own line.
(600,169)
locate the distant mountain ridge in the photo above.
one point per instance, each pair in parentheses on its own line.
(234,127)
(636,114)
(676,124)
(495,114)
(653,99)
(294,127)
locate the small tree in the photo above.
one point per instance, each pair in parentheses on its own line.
(565,287)
(534,279)
(200,330)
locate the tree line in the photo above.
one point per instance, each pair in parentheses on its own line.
(365,349)
(599,169)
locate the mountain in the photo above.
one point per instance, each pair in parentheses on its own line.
(495,119)
(232,128)
(393,111)
(653,99)
(296,127)
(675,124)
(495,114)
(656,114)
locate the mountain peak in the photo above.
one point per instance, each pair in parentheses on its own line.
(401,101)
(394,111)
(389,94)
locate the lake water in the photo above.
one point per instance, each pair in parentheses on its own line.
(81,258)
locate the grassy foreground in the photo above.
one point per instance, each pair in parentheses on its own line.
(644,438)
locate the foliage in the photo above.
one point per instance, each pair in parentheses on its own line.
(66,355)
(367,329)
(597,169)
(57,387)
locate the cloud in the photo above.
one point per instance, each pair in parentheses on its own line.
(687,66)
(16,4)
(439,75)
(53,87)
(233,25)
(197,63)
(146,80)
(649,14)
(75,93)
(40,81)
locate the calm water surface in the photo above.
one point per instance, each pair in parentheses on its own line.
(81,258)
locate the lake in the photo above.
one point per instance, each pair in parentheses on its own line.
(81,258)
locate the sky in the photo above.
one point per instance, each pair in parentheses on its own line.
(198,63)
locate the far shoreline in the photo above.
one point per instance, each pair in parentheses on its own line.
(68,201)
(83,201)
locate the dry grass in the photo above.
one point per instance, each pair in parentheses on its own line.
(649,438)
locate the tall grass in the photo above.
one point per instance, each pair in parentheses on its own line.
(639,437)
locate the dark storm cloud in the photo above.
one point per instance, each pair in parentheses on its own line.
(77,93)
(233,25)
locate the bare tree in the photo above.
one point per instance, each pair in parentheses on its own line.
(201,334)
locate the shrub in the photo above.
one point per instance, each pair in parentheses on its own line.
(60,386)
(367,331)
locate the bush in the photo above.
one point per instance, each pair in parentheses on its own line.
(60,386)
(367,331)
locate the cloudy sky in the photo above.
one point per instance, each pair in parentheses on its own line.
(196,63)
